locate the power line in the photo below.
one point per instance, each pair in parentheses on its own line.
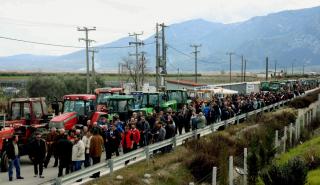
(66,46)
(40,43)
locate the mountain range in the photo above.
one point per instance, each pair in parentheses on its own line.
(286,37)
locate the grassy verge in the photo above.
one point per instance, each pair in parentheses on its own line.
(313,177)
(164,169)
(305,150)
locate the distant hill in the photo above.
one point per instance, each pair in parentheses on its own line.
(285,36)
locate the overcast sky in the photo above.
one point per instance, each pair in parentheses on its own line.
(55,21)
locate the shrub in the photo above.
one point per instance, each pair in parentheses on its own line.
(303,102)
(294,172)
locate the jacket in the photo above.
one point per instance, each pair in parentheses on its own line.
(10,150)
(38,149)
(96,145)
(78,151)
(64,150)
(136,135)
(86,141)
(127,139)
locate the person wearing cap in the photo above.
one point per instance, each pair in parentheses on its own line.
(37,154)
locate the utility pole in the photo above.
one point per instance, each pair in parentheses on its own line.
(119,72)
(196,60)
(86,39)
(157,58)
(93,51)
(142,66)
(242,68)
(303,68)
(230,54)
(292,68)
(275,69)
(244,71)
(137,43)
(267,68)
(164,52)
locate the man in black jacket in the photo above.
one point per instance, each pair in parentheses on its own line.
(12,151)
(37,154)
(64,152)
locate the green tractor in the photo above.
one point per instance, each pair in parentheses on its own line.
(273,86)
(176,98)
(149,101)
(121,105)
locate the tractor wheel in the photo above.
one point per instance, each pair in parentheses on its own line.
(4,162)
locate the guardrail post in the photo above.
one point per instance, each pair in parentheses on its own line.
(290,134)
(296,129)
(195,134)
(214,176)
(212,127)
(276,138)
(230,170)
(174,141)
(111,166)
(285,139)
(238,120)
(57,181)
(146,150)
(245,167)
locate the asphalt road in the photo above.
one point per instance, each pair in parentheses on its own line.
(48,173)
(27,172)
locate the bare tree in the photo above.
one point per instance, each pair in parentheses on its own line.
(136,71)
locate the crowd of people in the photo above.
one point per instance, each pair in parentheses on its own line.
(78,148)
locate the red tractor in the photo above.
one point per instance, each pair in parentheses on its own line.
(76,110)
(103,94)
(25,117)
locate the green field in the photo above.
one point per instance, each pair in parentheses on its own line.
(112,77)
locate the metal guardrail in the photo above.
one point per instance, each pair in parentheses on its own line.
(144,153)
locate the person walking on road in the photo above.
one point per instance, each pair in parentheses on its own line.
(38,153)
(51,146)
(12,151)
(64,152)
(96,145)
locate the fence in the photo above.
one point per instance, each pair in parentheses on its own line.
(108,167)
(284,138)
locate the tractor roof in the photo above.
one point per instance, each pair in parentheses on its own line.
(37,99)
(120,97)
(108,90)
(85,97)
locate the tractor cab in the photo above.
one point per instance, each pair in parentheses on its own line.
(180,97)
(121,105)
(148,101)
(28,111)
(77,110)
(103,94)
